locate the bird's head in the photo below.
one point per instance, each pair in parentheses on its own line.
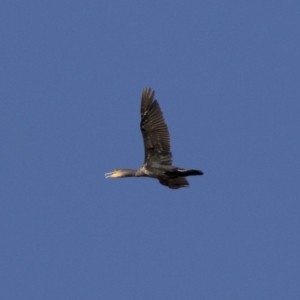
(119,173)
(114,174)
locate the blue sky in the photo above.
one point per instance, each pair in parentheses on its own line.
(226,75)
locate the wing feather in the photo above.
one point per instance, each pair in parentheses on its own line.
(174,183)
(154,130)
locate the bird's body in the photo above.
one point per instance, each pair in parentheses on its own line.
(158,156)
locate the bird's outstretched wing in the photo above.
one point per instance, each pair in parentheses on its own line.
(174,183)
(155,131)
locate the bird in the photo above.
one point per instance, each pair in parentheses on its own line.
(158,156)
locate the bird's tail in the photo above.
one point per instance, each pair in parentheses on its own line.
(190,172)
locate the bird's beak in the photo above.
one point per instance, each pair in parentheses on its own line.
(111,174)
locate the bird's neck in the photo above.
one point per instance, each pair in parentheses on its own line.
(129,173)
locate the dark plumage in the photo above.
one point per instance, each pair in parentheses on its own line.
(158,156)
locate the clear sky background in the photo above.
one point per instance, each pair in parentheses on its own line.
(227,77)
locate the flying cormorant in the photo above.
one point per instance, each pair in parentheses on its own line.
(158,156)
